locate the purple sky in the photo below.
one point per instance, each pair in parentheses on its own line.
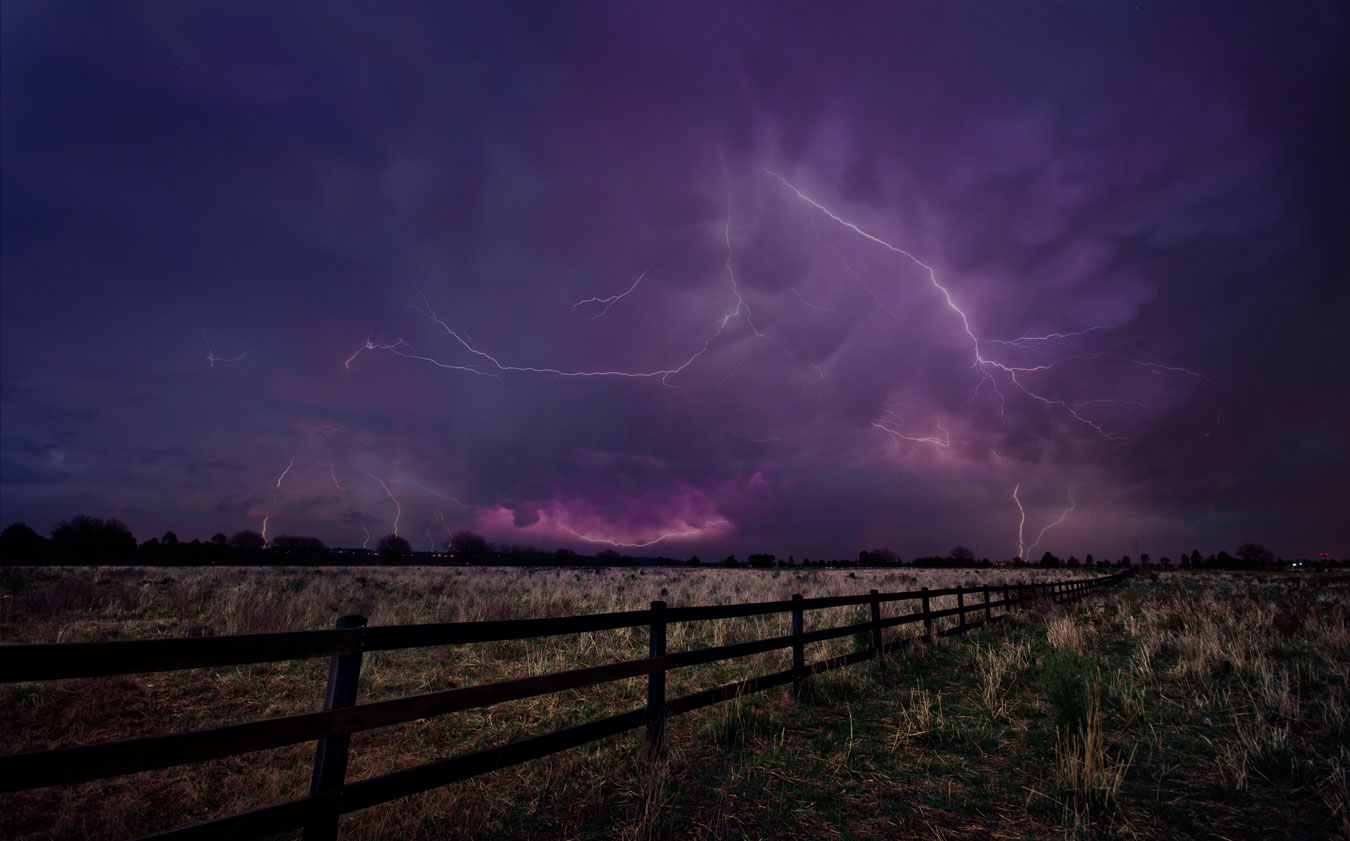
(709,277)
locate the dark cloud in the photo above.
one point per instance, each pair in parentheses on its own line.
(705,279)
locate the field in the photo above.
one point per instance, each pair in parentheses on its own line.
(1202,705)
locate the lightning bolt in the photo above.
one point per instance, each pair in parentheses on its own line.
(613,299)
(653,541)
(284,472)
(361,521)
(398,509)
(266,517)
(332,474)
(986,367)
(1021,553)
(899,423)
(1073,504)
(212,359)
(429,491)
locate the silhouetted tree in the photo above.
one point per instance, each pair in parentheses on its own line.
(19,544)
(761,560)
(300,550)
(1049,560)
(247,541)
(89,540)
(219,540)
(393,549)
(169,539)
(961,554)
(468,544)
(1255,555)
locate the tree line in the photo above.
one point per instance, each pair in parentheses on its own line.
(94,541)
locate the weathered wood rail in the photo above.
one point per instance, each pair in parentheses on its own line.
(331,796)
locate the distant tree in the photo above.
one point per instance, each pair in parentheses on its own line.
(300,550)
(1195,557)
(1124,561)
(393,549)
(731,561)
(1088,560)
(961,554)
(884,557)
(1049,560)
(1144,559)
(85,539)
(19,544)
(247,541)
(761,560)
(169,539)
(693,561)
(1072,561)
(1255,555)
(219,539)
(1165,562)
(468,544)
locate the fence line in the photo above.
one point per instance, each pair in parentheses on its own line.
(331,796)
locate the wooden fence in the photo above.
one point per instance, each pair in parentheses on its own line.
(331,796)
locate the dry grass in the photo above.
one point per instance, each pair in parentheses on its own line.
(1227,694)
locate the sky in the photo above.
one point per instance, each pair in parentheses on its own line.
(695,278)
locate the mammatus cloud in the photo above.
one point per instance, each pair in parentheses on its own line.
(753,279)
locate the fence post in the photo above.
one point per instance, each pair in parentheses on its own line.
(988,612)
(330,755)
(1007,599)
(927,619)
(656,681)
(877,649)
(798,655)
(961,609)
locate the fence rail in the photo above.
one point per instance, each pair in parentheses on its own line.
(331,728)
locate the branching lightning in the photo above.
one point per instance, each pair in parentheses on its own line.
(612,299)
(667,536)
(892,424)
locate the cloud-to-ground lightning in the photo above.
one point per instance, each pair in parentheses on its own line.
(1073,504)
(398,509)
(1021,523)
(266,517)
(284,472)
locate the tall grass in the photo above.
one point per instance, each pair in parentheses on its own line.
(1209,705)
